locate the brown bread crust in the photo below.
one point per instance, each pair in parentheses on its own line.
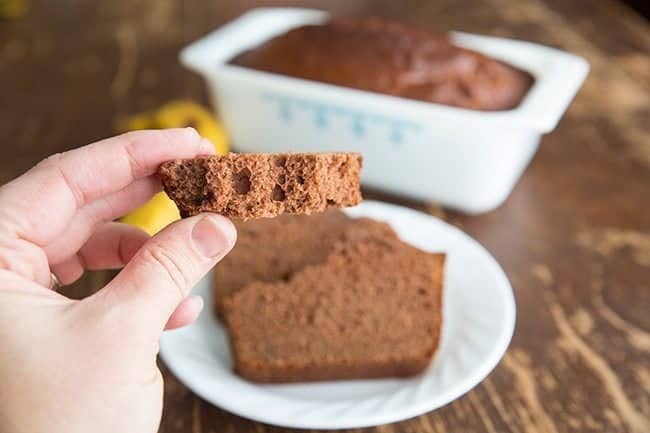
(263,185)
(372,309)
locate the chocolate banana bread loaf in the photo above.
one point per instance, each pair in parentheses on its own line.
(394,59)
(371,309)
(263,185)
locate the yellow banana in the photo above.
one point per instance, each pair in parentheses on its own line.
(12,9)
(160,210)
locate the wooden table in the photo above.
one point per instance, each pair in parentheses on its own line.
(574,237)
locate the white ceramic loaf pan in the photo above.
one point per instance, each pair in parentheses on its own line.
(464,159)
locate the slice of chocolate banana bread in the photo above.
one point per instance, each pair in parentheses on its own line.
(372,309)
(273,249)
(263,185)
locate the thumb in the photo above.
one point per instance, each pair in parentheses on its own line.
(164,270)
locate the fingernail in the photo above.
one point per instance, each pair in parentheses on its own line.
(213,235)
(207,147)
(198,301)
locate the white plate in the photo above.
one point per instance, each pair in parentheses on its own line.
(478,321)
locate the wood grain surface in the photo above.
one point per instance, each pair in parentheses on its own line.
(574,237)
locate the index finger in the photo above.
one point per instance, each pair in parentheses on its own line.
(38,205)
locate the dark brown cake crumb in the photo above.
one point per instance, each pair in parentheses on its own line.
(372,309)
(263,185)
(273,249)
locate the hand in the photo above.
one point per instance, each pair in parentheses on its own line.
(85,366)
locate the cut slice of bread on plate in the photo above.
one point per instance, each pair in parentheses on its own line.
(371,309)
(273,249)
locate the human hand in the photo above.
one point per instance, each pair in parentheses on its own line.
(70,366)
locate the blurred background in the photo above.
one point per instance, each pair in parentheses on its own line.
(574,236)
(71,67)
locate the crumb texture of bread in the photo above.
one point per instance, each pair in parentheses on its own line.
(372,309)
(272,249)
(263,185)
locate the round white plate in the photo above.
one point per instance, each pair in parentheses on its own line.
(478,321)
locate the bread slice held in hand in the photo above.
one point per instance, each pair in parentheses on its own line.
(372,309)
(263,185)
